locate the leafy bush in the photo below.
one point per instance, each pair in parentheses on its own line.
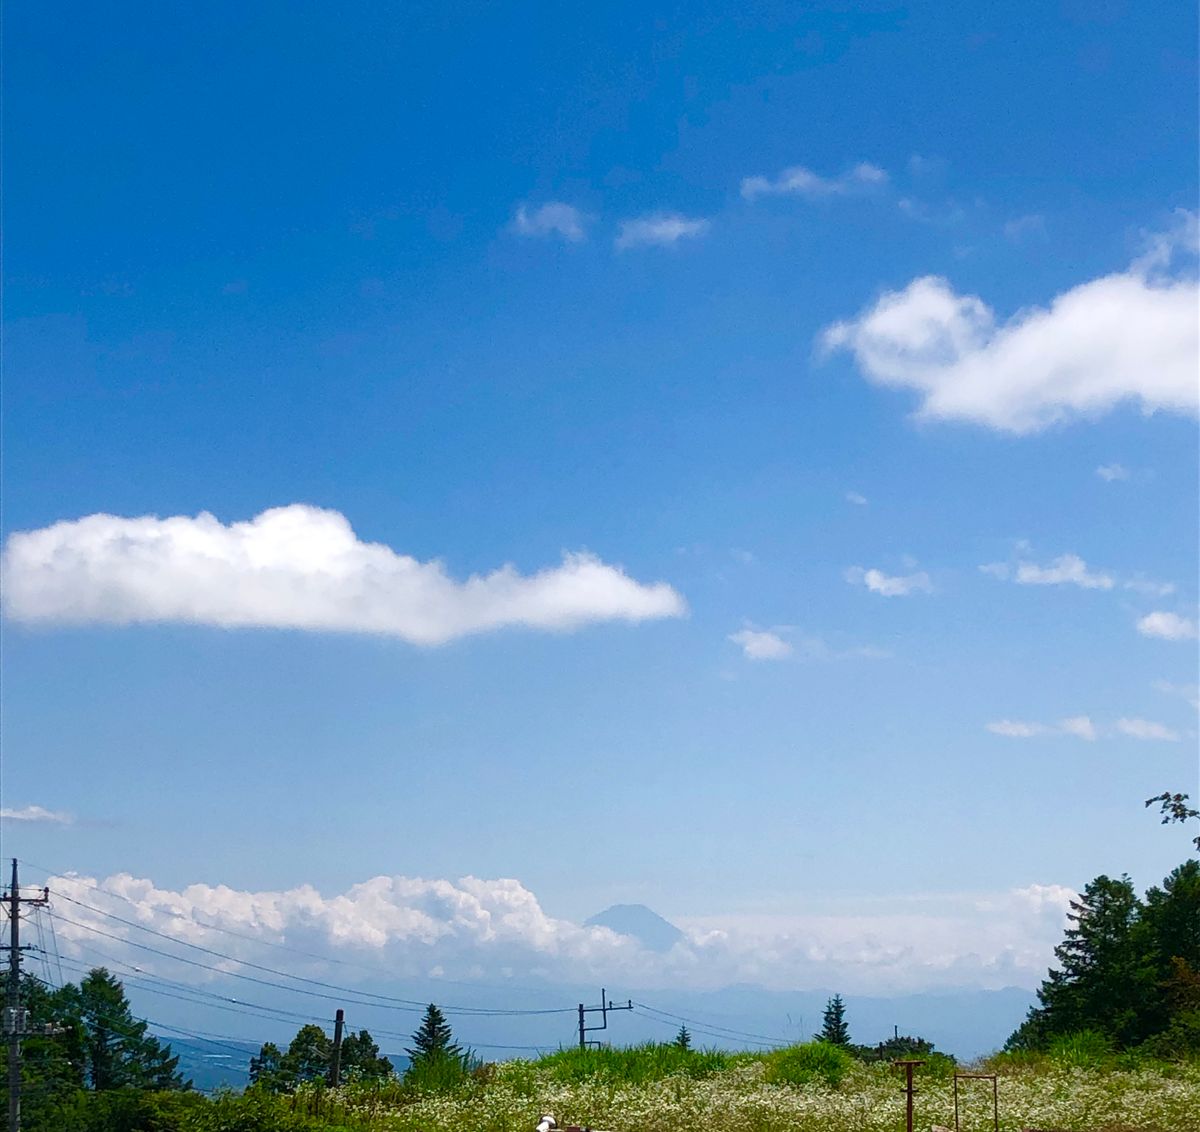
(813,1061)
(635,1065)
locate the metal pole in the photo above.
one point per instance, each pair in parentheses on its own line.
(582,1042)
(335,1072)
(13,1003)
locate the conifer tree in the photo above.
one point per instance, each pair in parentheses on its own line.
(434,1039)
(833,1023)
(684,1038)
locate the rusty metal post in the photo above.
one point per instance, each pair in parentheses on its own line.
(908,1090)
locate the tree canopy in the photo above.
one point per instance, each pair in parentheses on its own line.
(833,1023)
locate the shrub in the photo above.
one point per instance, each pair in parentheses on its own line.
(813,1061)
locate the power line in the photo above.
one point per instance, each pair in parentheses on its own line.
(383,998)
(712,1026)
(258,940)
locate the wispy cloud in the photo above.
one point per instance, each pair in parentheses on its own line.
(37,814)
(889,585)
(550,219)
(1021,227)
(1167,626)
(857,499)
(298,567)
(761,644)
(1078,726)
(1147,729)
(1128,337)
(1189,692)
(1066,569)
(660,229)
(799,181)
(1111,473)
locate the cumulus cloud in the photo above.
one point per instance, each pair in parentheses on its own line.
(889,585)
(475,928)
(799,181)
(550,219)
(36,814)
(857,499)
(761,644)
(1066,569)
(1110,473)
(1079,726)
(661,229)
(1147,729)
(1129,337)
(297,567)
(1167,626)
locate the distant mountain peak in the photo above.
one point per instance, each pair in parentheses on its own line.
(641,923)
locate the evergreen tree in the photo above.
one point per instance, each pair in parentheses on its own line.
(267,1070)
(833,1023)
(1104,981)
(683,1039)
(309,1057)
(116,1050)
(434,1039)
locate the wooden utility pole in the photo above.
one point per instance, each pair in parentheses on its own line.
(335,1072)
(15,1026)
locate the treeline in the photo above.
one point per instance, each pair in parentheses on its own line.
(90,1065)
(1128,970)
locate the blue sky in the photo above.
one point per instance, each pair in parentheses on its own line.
(789,320)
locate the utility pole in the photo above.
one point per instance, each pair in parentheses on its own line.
(603,1009)
(15,1026)
(335,1073)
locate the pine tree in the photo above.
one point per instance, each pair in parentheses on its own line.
(117,1051)
(683,1039)
(833,1024)
(433,1040)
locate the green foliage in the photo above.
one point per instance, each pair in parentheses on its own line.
(309,1058)
(833,1023)
(1127,968)
(818,1061)
(117,1051)
(434,1037)
(635,1065)
(684,1038)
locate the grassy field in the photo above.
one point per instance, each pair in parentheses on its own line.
(813,1088)
(804,1089)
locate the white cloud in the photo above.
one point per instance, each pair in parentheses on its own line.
(1021,226)
(36,814)
(1189,692)
(552,218)
(1112,472)
(297,567)
(1150,587)
(855,498)
(1078,726)
(1066,569)
(475,928)
(1147,729)
(798,181)
(1017,729)
(761,644)
(661,229)
(889,585)
(1131,336)
(1167,626)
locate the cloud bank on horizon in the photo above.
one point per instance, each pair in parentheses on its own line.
(475,928)
(297,567)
